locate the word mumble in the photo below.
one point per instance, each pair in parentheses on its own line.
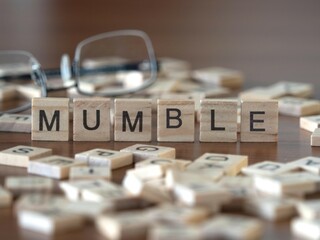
(131,120)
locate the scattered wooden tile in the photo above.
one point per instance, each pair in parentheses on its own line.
(270,208)
(293,106)
(203,194)
(5,198)
(142,152)
(310,164)
(218,120)
(161,86)
(219,76)
(169,65)
(29,90)
(20,156)
(38,201)
(309,209)
(15,123)
(267,168)
(74,189)
(211,171)
(49,221)
(230,164)
(305,229)
(315,137)
(166,231)
(105,158)
(288,184)
(261,93)
(165,163)
(259,121)
(50,119)
(54,166)
(91,119)
(310,123)
(175,214)
(7,91)
(28,184)
(126,225)
(90,173)
(133,120)
(243,227)
(175,120)
(297,89)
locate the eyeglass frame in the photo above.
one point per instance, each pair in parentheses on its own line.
(67,71)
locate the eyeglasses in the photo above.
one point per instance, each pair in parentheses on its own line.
(106,65)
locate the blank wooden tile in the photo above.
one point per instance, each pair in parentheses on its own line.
(297,183)
(310,123)
(50,119)
(309,209)
(5,198)
(243,227)
(126,225)
(49,221)
(219,76)
(105,158)
(28,184)
(305,228)
(165,163)
(259,121)
(261,93)
(293,106)
(175,120)
(20,156)
(142,152)
(133,120)
(90,173)
(310,164)
(91,119)
(267,168)
(15,123)
(315,137)
(54,166)
(218,120)
(230,164)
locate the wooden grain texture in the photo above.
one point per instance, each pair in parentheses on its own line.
(132,120)
(91,119)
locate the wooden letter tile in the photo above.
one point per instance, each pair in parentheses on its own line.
(218,120)
(142,152)
(133,120)
(50,119)
(267,168)
(165,163)
(105,158)
(91,119)
(310,123)
(293,106)
(175,120)
(90,173)
(15,123)
(315,137)
(310,164)
(20,156)
(28,184)
(259,121)
(53,166)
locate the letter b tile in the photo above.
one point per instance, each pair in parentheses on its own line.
(175,120)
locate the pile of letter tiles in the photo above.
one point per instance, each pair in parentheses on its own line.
(161,197)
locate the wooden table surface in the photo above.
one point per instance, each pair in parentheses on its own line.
(269,41)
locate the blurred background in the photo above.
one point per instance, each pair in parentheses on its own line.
(268,40)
